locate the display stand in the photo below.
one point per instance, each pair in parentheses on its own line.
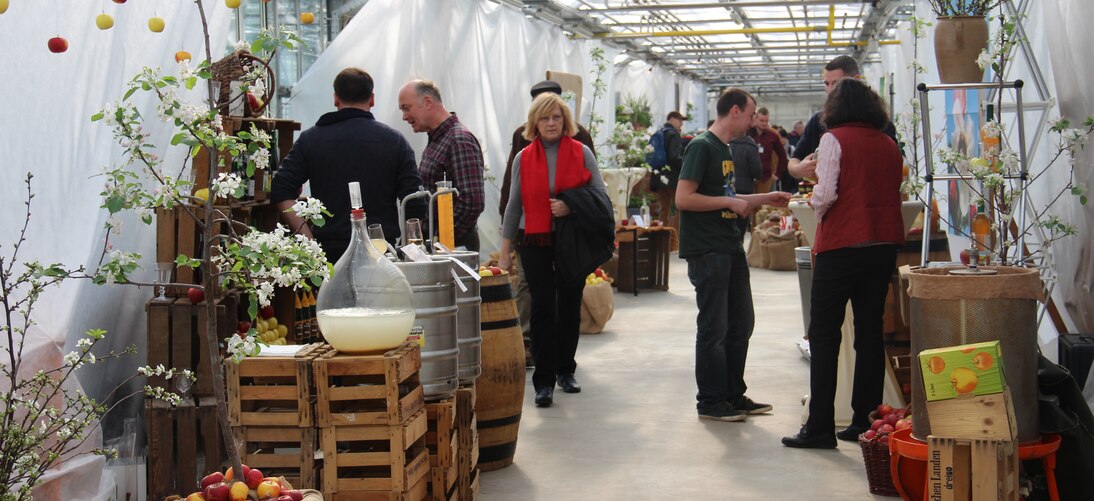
(643,258)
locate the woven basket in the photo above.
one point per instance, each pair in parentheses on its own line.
(876,456)
(234,67)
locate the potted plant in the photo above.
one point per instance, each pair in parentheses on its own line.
(959,37)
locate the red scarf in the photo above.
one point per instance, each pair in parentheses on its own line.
(535,189)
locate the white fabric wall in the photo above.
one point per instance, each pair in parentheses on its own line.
(484,57)
(48,99)
(658,85)
(1057,51)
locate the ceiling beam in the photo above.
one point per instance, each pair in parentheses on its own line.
(817,19)
(708,5)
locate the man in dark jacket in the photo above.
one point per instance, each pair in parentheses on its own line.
(345,146)
(663,181)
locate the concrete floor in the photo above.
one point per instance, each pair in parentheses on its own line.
(633,434)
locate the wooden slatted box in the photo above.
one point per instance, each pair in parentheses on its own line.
(467,454)
(177,232)
(281,451)
(441,437)
(391,459)
(184,445)
(355,390)
(273,391)
(176,338)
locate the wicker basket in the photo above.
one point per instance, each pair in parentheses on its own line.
(876,456)
(234,67)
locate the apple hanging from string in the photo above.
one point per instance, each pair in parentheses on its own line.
(181,56)
(3,6)
(307,17)
(233,4)
(156,24)
(57,44)
(104,21)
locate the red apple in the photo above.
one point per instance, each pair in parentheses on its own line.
(57,45)
(869,434)
(284,497)
(884,409)
(885,429)
(243,326)
(600,273)
(964,256)
(877,424)
(883,439)
(219,491)
(212,478)
(266,312)
(253,101)
(254,477)
(891,419)
(903,424)
(196,295)
(229,474)
(119,1)
(495,270)
(294,494)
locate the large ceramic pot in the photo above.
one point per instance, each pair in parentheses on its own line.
(958,41)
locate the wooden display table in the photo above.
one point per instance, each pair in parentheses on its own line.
(643,257)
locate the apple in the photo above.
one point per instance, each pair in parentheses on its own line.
(891,419)
(964,380)
(212,478)
(181,56)
(254,477)
(294,494)
(885,429)
(884,409)
(196,296)
(307,17)
(233,4)
(495,270)
(253,101)
(982,361)
(869,434)
(267,312)
(877,424)
(219,491)
(57,45)
(903,424)
(964,256)
(284,497)
(197,496)
(239,491)
(268,489)
(3,6)
(883,439)
(243,326)
(229,474)
(485,273)
(156,24)
(104,21)
(119,1)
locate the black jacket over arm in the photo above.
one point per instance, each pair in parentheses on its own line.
(586,238)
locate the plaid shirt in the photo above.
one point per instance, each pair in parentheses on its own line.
(453,151)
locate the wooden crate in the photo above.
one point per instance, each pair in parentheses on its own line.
(644,265)
(176,338)
(273,391)
(359,390)
(419,492)
(375,458)
(442,483)
(441,437)
(978,470)
(281,451)
(184,445)
(285,130)
(177,232)
(467,455)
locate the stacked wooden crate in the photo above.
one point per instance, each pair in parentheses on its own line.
(372,425)
(467,482)
(271,405)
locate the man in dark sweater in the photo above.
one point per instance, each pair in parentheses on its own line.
(519,143)
(345,146)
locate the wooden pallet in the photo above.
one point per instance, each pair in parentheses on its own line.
(375,458)
(355,390)
(273,391)
(176,338)
(442,438)
(281,451)
(184,445)
(977,470)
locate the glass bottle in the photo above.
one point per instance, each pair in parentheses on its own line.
(645,213)
(445,231)
(981,232)
(367,304)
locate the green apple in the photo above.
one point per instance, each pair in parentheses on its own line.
(156,24)
(104,21)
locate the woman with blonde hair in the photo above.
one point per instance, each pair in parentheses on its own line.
(552,164)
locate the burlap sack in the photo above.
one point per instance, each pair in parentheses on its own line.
(756,257)
(778,250)
(597,307)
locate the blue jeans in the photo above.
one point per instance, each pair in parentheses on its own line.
(725,321)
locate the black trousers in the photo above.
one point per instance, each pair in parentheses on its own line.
(556,316)
(860,275)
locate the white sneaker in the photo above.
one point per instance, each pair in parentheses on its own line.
(803,346)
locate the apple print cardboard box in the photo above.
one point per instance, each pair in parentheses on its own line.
(966,392)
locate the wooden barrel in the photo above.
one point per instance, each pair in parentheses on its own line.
(500,388)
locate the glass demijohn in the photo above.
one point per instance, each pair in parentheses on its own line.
(367,304)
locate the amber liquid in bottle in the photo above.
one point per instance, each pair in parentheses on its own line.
(981,232)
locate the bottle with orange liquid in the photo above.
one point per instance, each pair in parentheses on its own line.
(981,233)
(445,232)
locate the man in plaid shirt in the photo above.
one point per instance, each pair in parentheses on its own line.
(453,153)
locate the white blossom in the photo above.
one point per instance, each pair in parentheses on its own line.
(261,158)
(985,59)
(242,45)
(309,208)
(227,184)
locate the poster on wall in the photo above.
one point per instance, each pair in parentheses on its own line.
(962,135)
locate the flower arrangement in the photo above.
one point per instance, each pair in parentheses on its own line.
(952,8)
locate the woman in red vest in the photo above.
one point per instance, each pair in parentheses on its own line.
(859,228)
(554,162)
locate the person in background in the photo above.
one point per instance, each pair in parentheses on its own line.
(520,286)
(553,163)
(747,170)
(712,244)
(453,154)
(772,153)
(344,146)
(663,181)
(796,133)
(859,229)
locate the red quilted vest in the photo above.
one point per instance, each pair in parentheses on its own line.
(868,205)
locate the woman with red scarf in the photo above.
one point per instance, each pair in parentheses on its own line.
(553,163)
